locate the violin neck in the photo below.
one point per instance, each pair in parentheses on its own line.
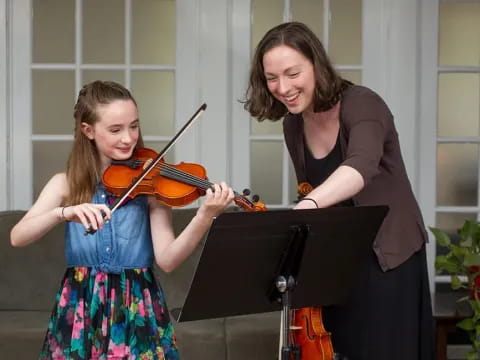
(174,174)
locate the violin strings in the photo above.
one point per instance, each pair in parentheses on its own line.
(187,178)
(190,179)
(176,174)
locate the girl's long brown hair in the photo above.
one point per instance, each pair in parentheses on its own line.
(328,84)
(84,166)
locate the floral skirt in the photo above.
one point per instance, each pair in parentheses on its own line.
(99,315)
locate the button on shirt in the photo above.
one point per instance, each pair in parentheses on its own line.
(124,242)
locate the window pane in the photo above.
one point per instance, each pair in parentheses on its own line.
(104,75)
(103,31)
(53,101)
(457,174)
(354,76)
(345,46)
(459,33)
(458,99)
(265,15)
(49,158)
(158,146)
(154,92)
(451,222)
(153,32)
(310,12)
(266,174)
(53,36)
(266,127)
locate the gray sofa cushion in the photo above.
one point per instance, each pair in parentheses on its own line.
(22,333)
(29,276)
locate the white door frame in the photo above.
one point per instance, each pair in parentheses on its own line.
(20,124)
(15,122)
(203,77)
(4,138)
(428,123)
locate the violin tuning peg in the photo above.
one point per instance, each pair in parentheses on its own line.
(255,198)
(246,192)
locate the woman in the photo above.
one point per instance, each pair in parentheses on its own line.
(343,142)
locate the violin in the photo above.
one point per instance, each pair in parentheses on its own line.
(308,333)
(307,330)
(146,172)
(173,185)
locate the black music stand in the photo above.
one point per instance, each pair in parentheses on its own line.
(246,254)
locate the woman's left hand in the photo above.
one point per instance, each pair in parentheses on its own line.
(216,201)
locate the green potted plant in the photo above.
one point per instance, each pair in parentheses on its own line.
(462,263)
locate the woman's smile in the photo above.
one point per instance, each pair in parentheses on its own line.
(290,78)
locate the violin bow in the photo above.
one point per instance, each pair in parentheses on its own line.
(155,161)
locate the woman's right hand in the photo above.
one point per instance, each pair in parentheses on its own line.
(91,216)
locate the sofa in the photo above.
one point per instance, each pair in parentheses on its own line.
(29,280)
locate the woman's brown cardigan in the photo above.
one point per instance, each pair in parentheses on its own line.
(369,144)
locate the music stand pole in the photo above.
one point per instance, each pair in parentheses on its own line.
(286,281)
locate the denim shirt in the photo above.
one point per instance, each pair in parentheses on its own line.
(124,242)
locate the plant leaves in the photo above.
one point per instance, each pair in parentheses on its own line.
(463,261)
(440,262)
(471,260)
(472,355)
(475,305)
(441,236)
(467,231)
(459,251)
(448,263)
(467,324)
(456,282)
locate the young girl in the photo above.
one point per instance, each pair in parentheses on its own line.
(109,304)
(343,142)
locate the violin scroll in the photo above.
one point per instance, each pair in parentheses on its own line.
(249,205)
(304,189)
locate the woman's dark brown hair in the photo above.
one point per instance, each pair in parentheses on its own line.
(328,84)
(84,166)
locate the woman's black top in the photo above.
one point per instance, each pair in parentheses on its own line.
(318,170)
